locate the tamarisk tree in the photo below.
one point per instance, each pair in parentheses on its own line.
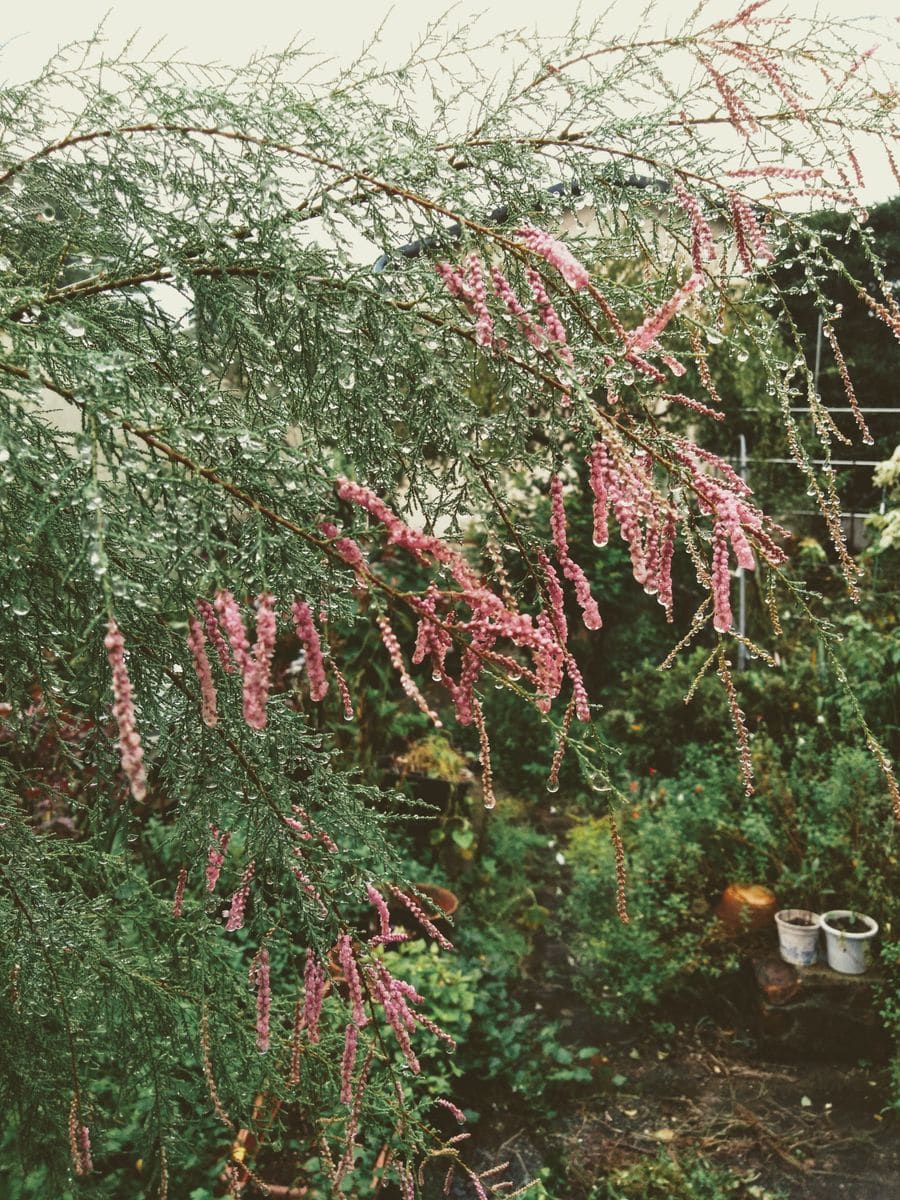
(223,434)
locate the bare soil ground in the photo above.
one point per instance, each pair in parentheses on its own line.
(804,1130)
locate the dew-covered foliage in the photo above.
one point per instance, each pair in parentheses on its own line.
(314,350)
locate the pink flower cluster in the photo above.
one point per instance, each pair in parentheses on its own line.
(131,752)
(79,1141)
(739,114)
(392,645)
(315,981)
(726,500)
(504,290)
(749,238)
(469,288)
(703,248)
(309,637)
(646,334)
(239,900)
(343,690)
(197,646)
(763,64)
(233,624)
(348,1061)
(347,959)
(452,1109)
(178,901)
(552,323)
(484,756)
(570,568)
(214,633)
(557,254)
(491,620)
(395,997)
(345,547)
(421,916)
(646,521)
(259,974)
(386,935)
(484,326)
(258,671)
(721,580)
(774,170)
(547,333)
(216,857)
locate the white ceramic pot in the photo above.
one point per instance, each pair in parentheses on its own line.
(848,952)
(798,936)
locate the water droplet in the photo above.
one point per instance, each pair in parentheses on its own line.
(490,802)
(552,785)
(21,605)
(72,328)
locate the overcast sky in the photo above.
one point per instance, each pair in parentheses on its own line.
(230,31)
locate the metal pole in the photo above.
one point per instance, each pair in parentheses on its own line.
(818,355)
(742,574)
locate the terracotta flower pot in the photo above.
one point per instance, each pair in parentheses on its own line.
(441,897)
(746,907)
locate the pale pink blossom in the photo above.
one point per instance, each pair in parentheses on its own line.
(233,624)
(79,1141)
(178,902)
(571,569)
(343,690)
(314,982)
(216,857)
(258,671)
(646,334)
(260,976)
(484,326)
(579,691)
(552,323)
(386,936)
(598,461)
(348,1061)
(504,290)
(347,959)
(131,752)
(421,916)
(555,597)
(392,645)
(703,247)
(557,254)
(197,645)
(239,900)
(721,580)
(214,633)
(309,637)
(484,755)
(749,238)
(452,1109)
